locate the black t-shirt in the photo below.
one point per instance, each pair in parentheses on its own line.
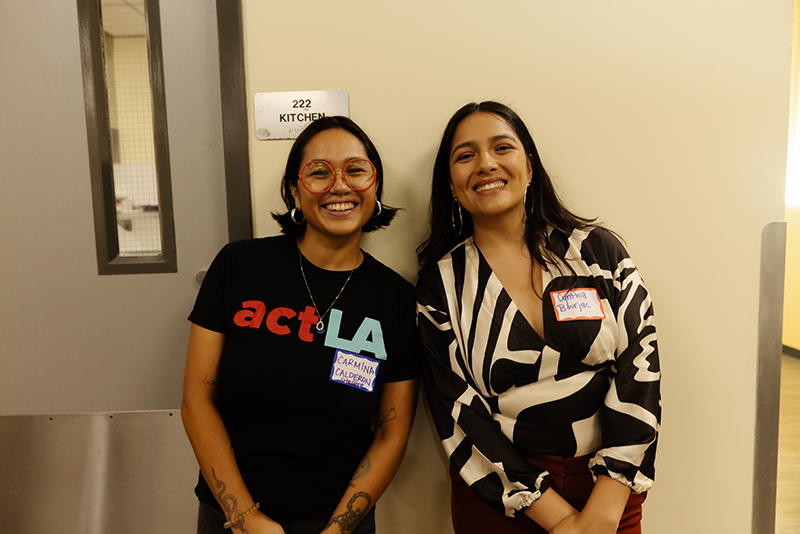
(297,403)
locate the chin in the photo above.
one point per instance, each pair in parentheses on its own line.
(342,230)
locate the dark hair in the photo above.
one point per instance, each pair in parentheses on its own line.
(548,210)
(292,174)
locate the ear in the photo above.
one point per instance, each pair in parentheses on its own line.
(296,196)
(530,167)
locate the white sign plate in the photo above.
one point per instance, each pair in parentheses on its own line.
(284,115)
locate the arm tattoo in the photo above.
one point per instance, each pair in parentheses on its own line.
(362,469)
(384,417)
(228,501)
(209,381)
(349,520)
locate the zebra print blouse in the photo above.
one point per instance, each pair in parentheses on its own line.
(499,393)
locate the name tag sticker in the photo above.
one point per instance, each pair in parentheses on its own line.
(577,305)
(354,370)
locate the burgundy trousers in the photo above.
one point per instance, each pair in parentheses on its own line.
(570,478)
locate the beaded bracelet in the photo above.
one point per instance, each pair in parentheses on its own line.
(238,519)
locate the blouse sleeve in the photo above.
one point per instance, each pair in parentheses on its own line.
(632,408)
(484,457)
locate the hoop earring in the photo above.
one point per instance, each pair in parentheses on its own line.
(292,216)
(380,209)
(525,205)
(456,204)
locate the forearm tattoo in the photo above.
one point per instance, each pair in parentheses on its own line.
(228,501)
(357,508)
(362,469)
(384,417)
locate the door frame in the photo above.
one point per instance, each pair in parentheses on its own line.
(234,119)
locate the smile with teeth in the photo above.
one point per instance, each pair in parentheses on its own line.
(491,185)
(340,206)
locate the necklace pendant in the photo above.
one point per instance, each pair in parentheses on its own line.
(320,327)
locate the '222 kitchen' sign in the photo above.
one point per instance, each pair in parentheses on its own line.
(284,115)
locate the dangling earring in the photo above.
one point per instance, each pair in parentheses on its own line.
(456,204)
(528,189)
(292,216)
(380,209)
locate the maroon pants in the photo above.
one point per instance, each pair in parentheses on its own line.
(570,478)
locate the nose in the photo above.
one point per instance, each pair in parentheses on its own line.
(486,162)
(339,185)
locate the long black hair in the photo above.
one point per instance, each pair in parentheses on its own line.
(547,212)
(292,174)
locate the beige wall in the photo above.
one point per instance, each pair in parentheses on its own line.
(791,303)
(666,120)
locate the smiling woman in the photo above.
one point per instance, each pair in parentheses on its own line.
(542,364)
(335,212)
(293,362)
(489,169)
(336,132)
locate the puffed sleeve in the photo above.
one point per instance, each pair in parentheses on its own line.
(631,412)
(484,457)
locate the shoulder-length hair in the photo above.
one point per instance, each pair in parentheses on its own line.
(291,174)
(546,214)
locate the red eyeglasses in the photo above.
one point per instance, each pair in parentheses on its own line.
(318,176)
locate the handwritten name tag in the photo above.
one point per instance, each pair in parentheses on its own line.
(354,370)
(577,305)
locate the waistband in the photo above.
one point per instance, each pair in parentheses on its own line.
(559,466)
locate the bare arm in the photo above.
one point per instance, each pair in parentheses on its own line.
(602,512)
(380,463)
(550,510)
(208,436)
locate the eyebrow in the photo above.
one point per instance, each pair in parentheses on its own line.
(493,139)
(345,159)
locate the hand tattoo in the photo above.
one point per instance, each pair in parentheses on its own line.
(349,520)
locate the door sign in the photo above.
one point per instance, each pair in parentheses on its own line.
(284,115)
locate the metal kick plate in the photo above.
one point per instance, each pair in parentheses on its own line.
(127,472)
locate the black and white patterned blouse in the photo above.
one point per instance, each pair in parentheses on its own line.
(498,393)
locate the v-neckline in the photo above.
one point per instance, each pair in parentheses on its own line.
(482,258)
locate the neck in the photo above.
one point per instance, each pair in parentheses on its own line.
(500,233)
(331,254)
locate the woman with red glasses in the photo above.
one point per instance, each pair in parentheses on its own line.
(302,370)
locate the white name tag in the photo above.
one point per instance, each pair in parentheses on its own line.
(577,305)
(355,370)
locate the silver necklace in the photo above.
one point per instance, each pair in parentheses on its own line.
(320,323)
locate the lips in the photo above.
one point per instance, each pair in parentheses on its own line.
(487,186)
(340,206)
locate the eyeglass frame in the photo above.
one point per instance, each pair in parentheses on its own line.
(341,173)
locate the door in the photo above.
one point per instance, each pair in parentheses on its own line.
(72,340)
